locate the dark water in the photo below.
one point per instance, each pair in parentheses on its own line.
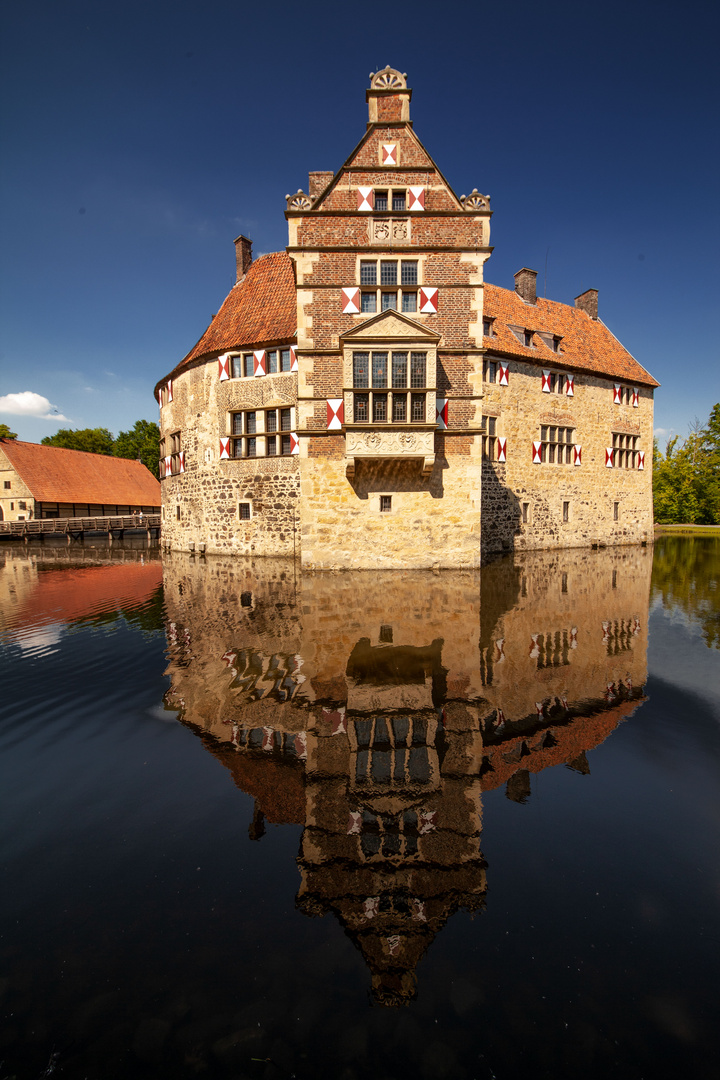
(260,823)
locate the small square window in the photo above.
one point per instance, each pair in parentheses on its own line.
(409,301)
(271,420)
(386,632)
(398,201)
(271,444)
(22,506)
(528,338)
(368,273)
(379,369)
(525,513)
(237,367)
(285,445)
(249,365)
(250,423)
(389,301)
(417,404)
(385,504)
(7,484)
(399,408)
(246,597)
(285,421)
(252,447)
(566,511)
(360,369)
(379,408)
(381,201)
(360,408)
(488,328)
(284,359)
(244,511)
(368,303)
(272,361)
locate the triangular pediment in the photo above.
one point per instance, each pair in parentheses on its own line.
(390,325)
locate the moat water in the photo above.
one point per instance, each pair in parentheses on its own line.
(264,823)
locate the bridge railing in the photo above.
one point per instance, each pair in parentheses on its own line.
(48,526)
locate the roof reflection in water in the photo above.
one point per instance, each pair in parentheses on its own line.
(375,708)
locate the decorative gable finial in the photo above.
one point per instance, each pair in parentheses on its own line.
(388,79)
(475,201)
(299,201)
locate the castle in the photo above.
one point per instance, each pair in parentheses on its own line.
(364,399)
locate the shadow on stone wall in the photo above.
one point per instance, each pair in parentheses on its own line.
(394,475)
(500,512)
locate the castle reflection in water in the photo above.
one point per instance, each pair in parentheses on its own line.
(374,709)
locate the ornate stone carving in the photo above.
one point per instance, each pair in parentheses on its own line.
(399,230)
(390,443)
(381,230)
(388,79)
(299,201)
(475,201)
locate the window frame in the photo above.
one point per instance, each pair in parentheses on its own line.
(382,293)
(552,448)
(385,390)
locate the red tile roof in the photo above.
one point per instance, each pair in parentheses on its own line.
(260,309)
(586,345)
(55,474)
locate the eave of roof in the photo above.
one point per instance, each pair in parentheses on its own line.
(586,343)
(54,474)
(260,309)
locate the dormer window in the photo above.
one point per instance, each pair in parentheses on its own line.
(551,340)
(488,328)
(527,338)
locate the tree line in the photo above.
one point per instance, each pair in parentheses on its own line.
(142,441)
(686,478)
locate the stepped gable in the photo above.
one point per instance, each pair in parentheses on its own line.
(54,474)
(259,310)
(586,345)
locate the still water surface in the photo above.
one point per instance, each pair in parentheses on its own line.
(261,823)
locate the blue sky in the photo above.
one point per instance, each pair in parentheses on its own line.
(139,138)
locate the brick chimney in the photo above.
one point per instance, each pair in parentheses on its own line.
(588,302)
(388,97)
(243,255)
(526,285)
(318,181)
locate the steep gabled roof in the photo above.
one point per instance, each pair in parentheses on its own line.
(54,474)
(260,309)
(586,343)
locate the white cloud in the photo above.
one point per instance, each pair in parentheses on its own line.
(26,403)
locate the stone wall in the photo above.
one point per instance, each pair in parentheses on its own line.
(201,505)
(591,489)
(18,491)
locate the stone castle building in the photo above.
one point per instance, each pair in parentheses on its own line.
(365,399)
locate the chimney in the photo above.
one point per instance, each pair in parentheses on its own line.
(526,285)
(317,182)
(388,97)
(588,302)
(243,255)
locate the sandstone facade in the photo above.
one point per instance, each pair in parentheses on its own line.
(366,400)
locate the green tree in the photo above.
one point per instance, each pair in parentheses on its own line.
(6,433)
(686,479)
(143,442)
(91,440)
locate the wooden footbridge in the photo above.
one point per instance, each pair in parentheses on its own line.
(76,528)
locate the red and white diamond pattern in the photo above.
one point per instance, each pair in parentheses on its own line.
(546,382)
(608,457)
(364,198)
(641,459)
(617,394)
(169,391)
(293,359)
(416,198)
(389,153)
(168,466)
(537,453)
(223,368)
(429,301)
(441,412)
(502,450)
(294,443)
(635,397)
(503,368)
(577,454)
(570,385)
(182,461)
(224,448)
(335,413)
(351,301)
(259,358)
